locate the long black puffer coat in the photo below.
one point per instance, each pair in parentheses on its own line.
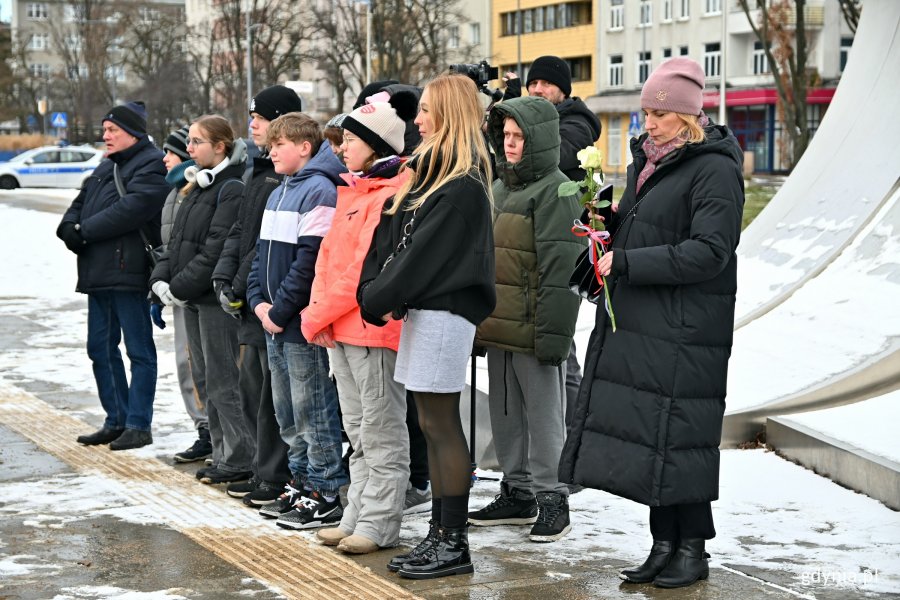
(648,418)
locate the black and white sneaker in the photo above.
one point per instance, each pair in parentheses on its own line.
(264,493)
(510,507)
(242,488)
(553,518)
(314,511)
(284,503)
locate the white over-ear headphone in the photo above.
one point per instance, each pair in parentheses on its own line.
(204,177)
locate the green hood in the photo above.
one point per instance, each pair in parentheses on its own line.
(540,125)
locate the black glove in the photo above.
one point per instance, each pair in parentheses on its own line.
(69,233)
(156,315)
(513,89)
(229,302)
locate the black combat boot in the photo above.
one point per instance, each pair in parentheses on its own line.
(434,534)
(449,556)
(687,565)
(660,554)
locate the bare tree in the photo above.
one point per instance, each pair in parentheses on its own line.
(155,56)
(409,41)
(851,10)
(781,28)
(89,39)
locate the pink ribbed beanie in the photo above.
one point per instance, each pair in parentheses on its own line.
(675,86)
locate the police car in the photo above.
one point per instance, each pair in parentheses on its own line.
(50,166)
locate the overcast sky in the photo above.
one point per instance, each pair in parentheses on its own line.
(5,10)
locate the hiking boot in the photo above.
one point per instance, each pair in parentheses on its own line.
(417,500)
(201,448)
(104,435)
(283,503)
(434,535)
(357,544)
(510,507)
(449,556)
(131,439)
(312,511)
(553,517)
(216,475)
(264,493)
(240,489)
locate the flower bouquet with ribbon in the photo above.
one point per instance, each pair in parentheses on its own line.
(586,280)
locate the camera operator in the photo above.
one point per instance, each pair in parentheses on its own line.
(550,78)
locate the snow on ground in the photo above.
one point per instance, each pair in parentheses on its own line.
(877,417)
(772,514)
(55,193)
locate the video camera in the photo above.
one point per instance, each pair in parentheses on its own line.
(481,74)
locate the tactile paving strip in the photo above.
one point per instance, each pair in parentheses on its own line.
(296,567)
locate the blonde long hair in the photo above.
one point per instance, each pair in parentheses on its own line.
(692,133)
(456,149)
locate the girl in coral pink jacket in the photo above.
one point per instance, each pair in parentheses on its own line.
(373,405)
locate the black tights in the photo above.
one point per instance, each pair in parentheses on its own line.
(448,454)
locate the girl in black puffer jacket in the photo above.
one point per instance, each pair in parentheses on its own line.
(183,277)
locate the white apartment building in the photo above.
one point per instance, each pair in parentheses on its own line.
(635,36)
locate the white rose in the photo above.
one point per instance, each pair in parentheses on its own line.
(590,158)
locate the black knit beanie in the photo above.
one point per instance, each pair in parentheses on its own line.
(275,101)
(552,69)
(177,143)
(131,116)
(371,89)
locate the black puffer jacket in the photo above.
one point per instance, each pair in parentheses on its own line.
(201,226)
(240,247)
(648,419)
(114,257)
(578,129)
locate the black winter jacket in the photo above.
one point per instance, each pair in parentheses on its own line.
(114,257)
(648,418)
(201,226)
(578,129)
(240,247)
(448,263)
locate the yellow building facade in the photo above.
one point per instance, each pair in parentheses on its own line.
(523,30)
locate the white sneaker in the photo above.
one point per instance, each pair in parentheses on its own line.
(417,500)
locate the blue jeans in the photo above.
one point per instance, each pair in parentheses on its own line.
(111,315)
(306,408)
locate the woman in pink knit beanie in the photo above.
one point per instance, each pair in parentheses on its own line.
(648,420)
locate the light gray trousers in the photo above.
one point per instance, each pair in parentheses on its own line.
(373,408)
(526,402)
(195,408)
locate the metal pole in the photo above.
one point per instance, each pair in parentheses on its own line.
(518,22)
(723,118)
(368,42)
(249,54)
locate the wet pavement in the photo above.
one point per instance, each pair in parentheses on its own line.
(87,523)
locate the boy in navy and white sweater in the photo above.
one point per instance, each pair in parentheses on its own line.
(298,215)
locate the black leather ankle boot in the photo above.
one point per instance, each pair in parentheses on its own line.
(434,534)
(687,565)
(660,554)
(449,556)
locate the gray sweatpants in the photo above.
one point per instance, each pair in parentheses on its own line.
(212,336)
(187,382)
(526,401)
(373,408)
